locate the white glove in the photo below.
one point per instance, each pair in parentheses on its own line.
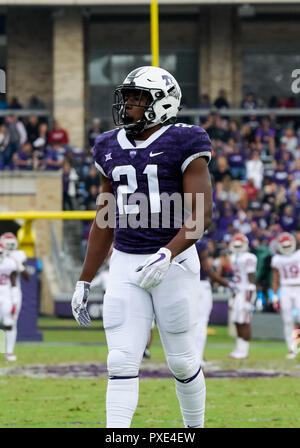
(233,288)
(154,269)
(79,303)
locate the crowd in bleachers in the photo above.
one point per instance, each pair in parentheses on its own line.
(255,166)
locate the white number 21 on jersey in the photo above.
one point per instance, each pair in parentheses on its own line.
(153,187)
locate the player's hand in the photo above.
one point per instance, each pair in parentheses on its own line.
(233,288)
(154,269)
(79,303)
(276,303)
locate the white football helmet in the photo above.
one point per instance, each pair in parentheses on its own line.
(164,99)
(239,243)
(286,243)
(9,241)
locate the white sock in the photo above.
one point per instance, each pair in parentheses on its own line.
(10,341)
(191,398)
(288,326)
(245,347)
(239,345)
(121,402)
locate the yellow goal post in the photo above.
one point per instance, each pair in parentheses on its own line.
(25,235)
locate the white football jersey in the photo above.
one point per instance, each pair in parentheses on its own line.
(288,267)
(20,257)
(242,265)
(7,266)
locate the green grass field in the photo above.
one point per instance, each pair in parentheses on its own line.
(61,402)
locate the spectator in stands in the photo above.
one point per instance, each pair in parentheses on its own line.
(32,128)
(204,101)
(42,139)
(288,220)
(221,169)
(70,178)
(16,137)
(54,157)
(265,137)
(255,170)
(221,101)
(14,104)
(247,135)
(251,190)
(269,194)
(92,178)
(216,127)
(35,103)
(95,131)
(241,223)
(91,201)
(296,172)
(290,141)
(234,131)
(236,162)
(58,135)
(280,174)
(24,159)
(249,102)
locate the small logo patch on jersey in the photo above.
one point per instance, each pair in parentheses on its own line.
(153,154)
(108,157)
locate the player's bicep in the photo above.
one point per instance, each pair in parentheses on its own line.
(197,181)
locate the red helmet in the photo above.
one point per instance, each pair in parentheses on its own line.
(286,243)
(239,243)
(9,241)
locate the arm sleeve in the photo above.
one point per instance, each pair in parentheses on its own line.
(98,155)
(196,143)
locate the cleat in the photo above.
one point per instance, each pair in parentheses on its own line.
(10,357)
(291,355)
(147,354)
(237,355)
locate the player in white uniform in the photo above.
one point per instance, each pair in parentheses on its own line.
(10,244)
(154,268)
(205,301)
(286,276)
(8,299)
(243,264)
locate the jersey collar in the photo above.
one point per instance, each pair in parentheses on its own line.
(126,144)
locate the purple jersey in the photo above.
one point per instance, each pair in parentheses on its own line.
(201,246)
(152,168)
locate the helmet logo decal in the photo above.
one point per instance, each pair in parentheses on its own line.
(167,79)
(135,74)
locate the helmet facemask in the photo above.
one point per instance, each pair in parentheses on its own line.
(286,244)
(9,241)
(239,244)
(121,118)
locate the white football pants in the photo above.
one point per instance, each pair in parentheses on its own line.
(205,303)
(289,300)
(128,312)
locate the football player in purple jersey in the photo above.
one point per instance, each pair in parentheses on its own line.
(154,267)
